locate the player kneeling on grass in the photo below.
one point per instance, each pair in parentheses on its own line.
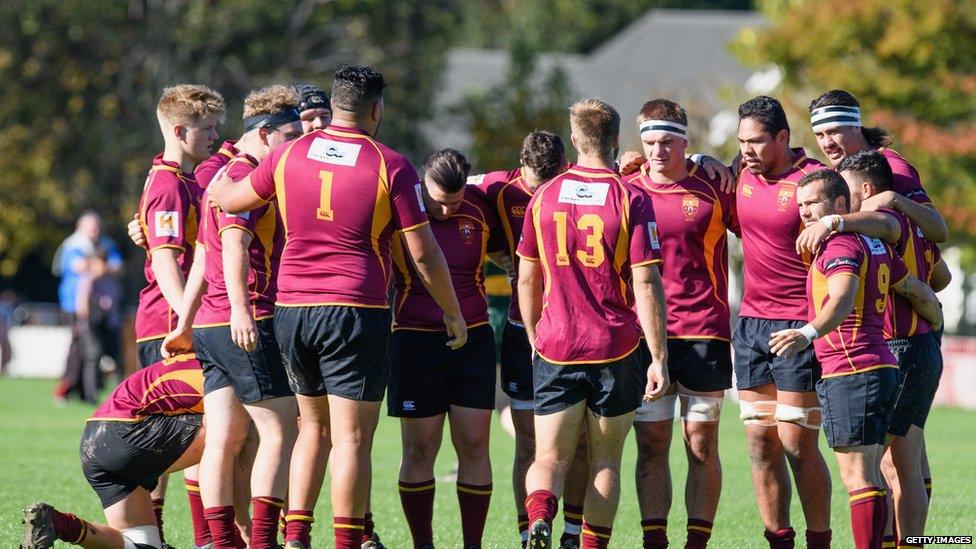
(151,425)
(587,236)
(847,292)
(429,379)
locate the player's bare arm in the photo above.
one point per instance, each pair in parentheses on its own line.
(842,292)
(243,330)
(530,295)
(180,340)
(923,299)
(649,296)
(234,196)
(928,219)
(870,223)
(940,277)
(434,274)
(166,268)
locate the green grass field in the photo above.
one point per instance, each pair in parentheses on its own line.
(39,451)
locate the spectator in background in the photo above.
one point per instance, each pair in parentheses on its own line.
(99,322)
(71,263)
(8,302)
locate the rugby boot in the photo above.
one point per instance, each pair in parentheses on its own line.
(39,531)
(540,535)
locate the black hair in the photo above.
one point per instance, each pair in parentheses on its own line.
(448,169)
(768,112)
(356,87)
(875,136)
(543,152)
(870,165)
(834,184)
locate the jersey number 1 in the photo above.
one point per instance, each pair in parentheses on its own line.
(593,256)
(324,212)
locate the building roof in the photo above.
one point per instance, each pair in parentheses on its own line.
(679,54)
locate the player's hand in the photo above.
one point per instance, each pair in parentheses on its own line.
(630,162)
(456,329)
(936,326)
(885,199)
(177,342)
(811,238)
(714,168)
(657,381)
(786,343)
(215,187)
(243,330)
(134,228)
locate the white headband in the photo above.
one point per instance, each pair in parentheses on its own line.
(664,126)
(835,116)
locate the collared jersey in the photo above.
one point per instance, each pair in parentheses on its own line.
(341,196)
(171,387)
(169,214)
(509,195)
(920,256)
(693,218)
(858,344)
(769,220)
(906,179)
(464,237)
(263,253)
(206,170)
(587,229)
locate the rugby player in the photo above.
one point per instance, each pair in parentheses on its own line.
(910,338)
(586,237)
(836,120)
(776,393)
(341,196)
(151,424)
(314,107)
(229,300)
(428,379)
(543,156)
(848,287)
(693,215)
(188,115)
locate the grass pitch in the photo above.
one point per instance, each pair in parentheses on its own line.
(39,451)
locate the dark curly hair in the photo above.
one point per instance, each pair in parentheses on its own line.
(544,153)
(356,87)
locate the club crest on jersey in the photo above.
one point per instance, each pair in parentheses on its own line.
(334,152)
(582,193)
(746,190)
(518,211)
(467,230)
(167,224)
(689,206)
(784,198)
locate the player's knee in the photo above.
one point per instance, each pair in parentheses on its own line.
(141,537)
(653,441)
(703,409)
(701,446)
(420,451)
(809,418)
(471,448)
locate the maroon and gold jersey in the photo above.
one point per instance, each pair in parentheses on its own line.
(264,253)
(341,196)
(920,256)
(693,216)
(170,387)
(906,179)
(858,344)
(509,195)
(207,169)
(465,237)
(169,214)
(769,220)
(587,229)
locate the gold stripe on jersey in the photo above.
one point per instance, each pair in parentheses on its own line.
(540,246)
(190,377)
(279,179)
(713,235)
(621,251)
(400,261)
(437,330)
(382,211)
(266,228)
(607,361)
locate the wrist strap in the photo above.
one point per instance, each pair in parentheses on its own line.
(834,222)
(808,332)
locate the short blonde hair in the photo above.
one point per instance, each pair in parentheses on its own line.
(595,125)
(186,104)
(270,99)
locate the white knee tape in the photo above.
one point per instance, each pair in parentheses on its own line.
(141,537)
(761,412)
(811,418)
(702,408)
(519,404)
(661,409)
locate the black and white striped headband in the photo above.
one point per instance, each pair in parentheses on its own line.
(834,116)
(664,126)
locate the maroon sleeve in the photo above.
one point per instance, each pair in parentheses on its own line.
(898,268)
(262,177)
(841,255)
(405,195)
(645,248)
(528,247)
(166,207)
(731,214)
(238,170)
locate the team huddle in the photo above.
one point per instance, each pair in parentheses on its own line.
(269,336)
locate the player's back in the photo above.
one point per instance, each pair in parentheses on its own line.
(338,193)
(170,387)
(582,228)
(920,256)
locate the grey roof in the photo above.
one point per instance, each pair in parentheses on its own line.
(679,54)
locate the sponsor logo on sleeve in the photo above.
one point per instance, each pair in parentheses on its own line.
(334,152)
(836,262)
(243,215)
(583,193)
(420,197)
(653,236)
(167,224)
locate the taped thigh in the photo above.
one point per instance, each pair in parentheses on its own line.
(702,408)
(661,409)
(761,412)
(811,417)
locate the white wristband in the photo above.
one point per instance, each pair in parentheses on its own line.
(833,222)
(696,158)
(808,332)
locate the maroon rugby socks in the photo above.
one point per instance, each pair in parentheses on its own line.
(699,531)
(781,539)
(264,521)
(201,533)
(69,527)
(655,533)
(348,532)
(596,537)
(417,499)
(541,505)
(869,513)
(473,500)
(298,526)
(223,532)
